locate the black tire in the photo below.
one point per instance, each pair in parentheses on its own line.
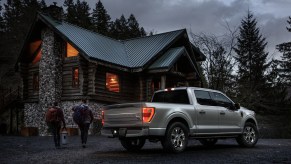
(208,141)
(132,144)
(249,137)
(176,138)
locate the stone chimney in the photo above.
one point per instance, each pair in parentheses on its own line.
(54,11)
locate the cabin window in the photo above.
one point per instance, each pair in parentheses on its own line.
(112,82)
(75,80)
(71,51)
(35,51)
(35,81)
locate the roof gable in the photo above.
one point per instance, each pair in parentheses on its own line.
(168,59)
(142,50)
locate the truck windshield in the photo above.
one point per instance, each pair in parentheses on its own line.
(176,97)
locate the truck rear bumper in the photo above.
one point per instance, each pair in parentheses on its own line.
(125,132)
(132,132)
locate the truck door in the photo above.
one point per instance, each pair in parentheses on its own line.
(229,118)
(206,113)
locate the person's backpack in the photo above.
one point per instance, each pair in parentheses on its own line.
(79,114)
(52,115)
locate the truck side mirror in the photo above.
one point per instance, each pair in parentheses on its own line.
(237,106)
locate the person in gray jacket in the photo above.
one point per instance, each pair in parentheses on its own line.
(87,120)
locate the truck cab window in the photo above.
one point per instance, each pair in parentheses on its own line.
(176,97)
(221,100)
(203,98)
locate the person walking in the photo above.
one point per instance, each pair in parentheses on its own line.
(83,116)
(54,119)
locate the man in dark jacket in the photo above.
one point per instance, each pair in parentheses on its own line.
(54,119)
(87,118)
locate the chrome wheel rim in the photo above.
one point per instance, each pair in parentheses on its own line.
(249,134)
(178,138)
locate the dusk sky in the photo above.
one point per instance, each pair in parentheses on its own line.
(204,16)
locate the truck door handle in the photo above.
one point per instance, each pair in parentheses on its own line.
(222,113)
(202,112)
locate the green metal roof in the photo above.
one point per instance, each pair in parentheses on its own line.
(131,53)
(168,59)
(142,50)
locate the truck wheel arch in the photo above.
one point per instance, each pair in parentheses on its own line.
(178,119)
(251,120)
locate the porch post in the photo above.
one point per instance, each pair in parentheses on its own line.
(163,82)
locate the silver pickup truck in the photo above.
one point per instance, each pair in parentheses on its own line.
(178,114)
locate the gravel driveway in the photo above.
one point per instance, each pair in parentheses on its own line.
(105,150)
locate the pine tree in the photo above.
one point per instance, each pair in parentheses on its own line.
(83,14)
(285,63)
(133,27)
(18,16)
(142,32)
(13,11)
(114,30)
(283,79)
(119,29)
(252,62)
(123,28)
(71,13)
(100,19)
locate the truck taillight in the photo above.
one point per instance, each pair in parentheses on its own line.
(102,117)
(147,114)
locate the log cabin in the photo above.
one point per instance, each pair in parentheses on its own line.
(64,63)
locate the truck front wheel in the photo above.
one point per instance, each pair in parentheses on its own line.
(249,137)
(176,138)
(132,144)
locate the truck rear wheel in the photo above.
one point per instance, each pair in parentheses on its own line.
(132,144)
(249,137)
(176,138)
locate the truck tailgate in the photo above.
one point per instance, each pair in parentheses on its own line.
(123,115)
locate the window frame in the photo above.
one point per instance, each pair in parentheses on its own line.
(118,82)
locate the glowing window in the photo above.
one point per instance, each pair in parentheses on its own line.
(75,80)
(35,81)
(71,51)
(35,50)
(112,82)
